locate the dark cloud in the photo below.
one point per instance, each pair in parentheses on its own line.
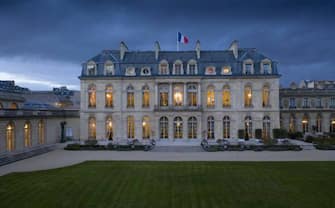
(298,34)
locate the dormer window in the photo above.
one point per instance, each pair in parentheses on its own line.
(192,67)
(226,70)
(178,68)
(266,68)
(91,69)
(164,68)
(109,68)
(145,71)
(248,68)
(210,70)
(130,71)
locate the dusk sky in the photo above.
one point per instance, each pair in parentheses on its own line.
(44,42)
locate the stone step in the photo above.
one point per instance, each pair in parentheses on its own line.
(177,149)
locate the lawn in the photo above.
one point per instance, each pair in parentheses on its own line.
(174,185)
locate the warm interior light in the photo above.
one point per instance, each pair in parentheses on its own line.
(249,95)
(25,126)
(178,97)
(108,95)
(110,124)
(304,121)
(9,127)
(144,123)
(226,70)
(333,121)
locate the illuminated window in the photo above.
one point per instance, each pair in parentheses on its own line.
(178,68)
(27,134)
(226,96)
(248,126)
(305,122)
(210,127)
(210,70)
(226,70)
(226,127)
(10,136)
(178,128)
(247,96)
(91,69)
(178,95)
(266,127)
(109,68)
(164,127)
(292,123)
(164,68)
(192,127)
(131,127)
(109,97)
(192,95)
(145,97)
(109,128)
(210,96)
(266,96)
(92,96)
(163,95)
(13,106)
(332,125)
(92,129)
(146,130)
(130,97)
(41,132)
(318,126)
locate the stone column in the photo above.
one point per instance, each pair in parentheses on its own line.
(199,95)
(156,94)
(185,97)
(170,94)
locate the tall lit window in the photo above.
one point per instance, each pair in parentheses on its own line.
(318,126)
(91,69)
(92,128)
(178,95)
(305,124)
(109,128)
(210,127)
(164,128)
(248,126)
(41,132)
(109,68)
(13,106)
(192,127)
(332,125)
(27,134)
(192,95)
(163,95)
(178,68)
(178,128)
(226,96)
(247,96)
(266,96)
(266,127)
(146,130)
(92,96)
(130,97)
(145,97)
(109,97)
(10,136)
(226,127)
(192,67)
(130,127)
(292,123)
(210,96)
(164,68)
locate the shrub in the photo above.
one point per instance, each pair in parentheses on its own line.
(258,133)
(91,142)
(310,139)
(240,133)
(279,133)
(72,147)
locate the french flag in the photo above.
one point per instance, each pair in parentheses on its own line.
(182,38)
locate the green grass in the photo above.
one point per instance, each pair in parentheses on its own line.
(174,185)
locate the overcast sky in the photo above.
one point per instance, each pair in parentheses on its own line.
(44,42)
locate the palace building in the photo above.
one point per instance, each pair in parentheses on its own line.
(178,95)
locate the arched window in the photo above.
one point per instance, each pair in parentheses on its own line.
(178,68)
(192,67)
(178,95)
(92,96)
(145,97)
(145,71)
(332,124)
(248,126)
(192,95)
(178,127)
(130,97)
(192,127)
(109,68)
(305,122)
(226,96)
(164,127)
(91,68)
(92,129)
(13,106)
(210,127)
(318,126)
(109,97)
(164,68)
(163,95)
(247,96)
(41,132)
(266,127)
(292,123)
(10,136)
(266,96)
(210,97)
(146,130)
(109,128)
(27,134)
(226,127)
(131,127)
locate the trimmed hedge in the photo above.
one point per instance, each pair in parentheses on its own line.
(279,133)
(241,133)
(258,133)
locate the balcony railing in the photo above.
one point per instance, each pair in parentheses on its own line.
(178,108)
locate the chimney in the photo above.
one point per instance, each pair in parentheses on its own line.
(123,50)
(197,49)
(157,49)
(234,47)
